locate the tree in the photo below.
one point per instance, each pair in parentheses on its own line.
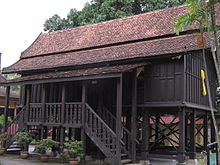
(150,5)
(103,10)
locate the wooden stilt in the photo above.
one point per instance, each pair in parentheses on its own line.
(205,137)
(192,135)
(145,136)
(181,151)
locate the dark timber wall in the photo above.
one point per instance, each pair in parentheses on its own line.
(177,80)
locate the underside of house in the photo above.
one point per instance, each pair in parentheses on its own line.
(126,88)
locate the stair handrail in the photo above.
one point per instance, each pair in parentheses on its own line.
(16,119)
(20,114)
(100,119)
(123,126)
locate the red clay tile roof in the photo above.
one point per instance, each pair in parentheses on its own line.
(151,24)
(170,45)
(79,73)
(147,25)
(48,49)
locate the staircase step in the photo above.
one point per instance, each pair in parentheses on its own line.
(125,161)
(124,155)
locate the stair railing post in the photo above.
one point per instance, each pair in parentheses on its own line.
(118,120)
(84,100)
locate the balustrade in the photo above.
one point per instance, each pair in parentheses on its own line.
(53,113)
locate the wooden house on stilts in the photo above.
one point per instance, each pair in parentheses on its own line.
(127,86)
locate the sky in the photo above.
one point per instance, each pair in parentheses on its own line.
(21,21)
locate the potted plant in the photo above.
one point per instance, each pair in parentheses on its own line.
(43,146)
(23,139)
(3,138)
(73,150)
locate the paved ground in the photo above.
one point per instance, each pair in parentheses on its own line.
(15,160)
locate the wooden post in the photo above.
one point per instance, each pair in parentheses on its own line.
(145,135)
(192,135)
(43,97)
(7,96)
(84,101)
(133,117)
(205,138)
(26,113)
(181,150)
(63,100)
(118,120)
(23,90)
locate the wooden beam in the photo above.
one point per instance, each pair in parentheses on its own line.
(118,120)
(133,116)
(181,150)
(7,96)
(81,78)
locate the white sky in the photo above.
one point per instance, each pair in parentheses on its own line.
(21,21)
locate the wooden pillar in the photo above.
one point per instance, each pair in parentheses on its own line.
(43,101)
(157,118)
(28,96)
(145,135)
(63,100)
(133,117)
(181,150)
(7,96)
(205,131)
(43,97)
(23,90)
(84,101)
(100,97)
(192,135)
(118,119)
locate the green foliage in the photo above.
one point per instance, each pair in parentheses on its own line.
(2,121)
(23,137)
(73,149)
(3,137)
(103,10)
(150,5)
(199,12)
(45,145)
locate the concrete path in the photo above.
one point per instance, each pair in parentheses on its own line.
(15,160)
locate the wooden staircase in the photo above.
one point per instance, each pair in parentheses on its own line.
(103,136)
(17,125)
